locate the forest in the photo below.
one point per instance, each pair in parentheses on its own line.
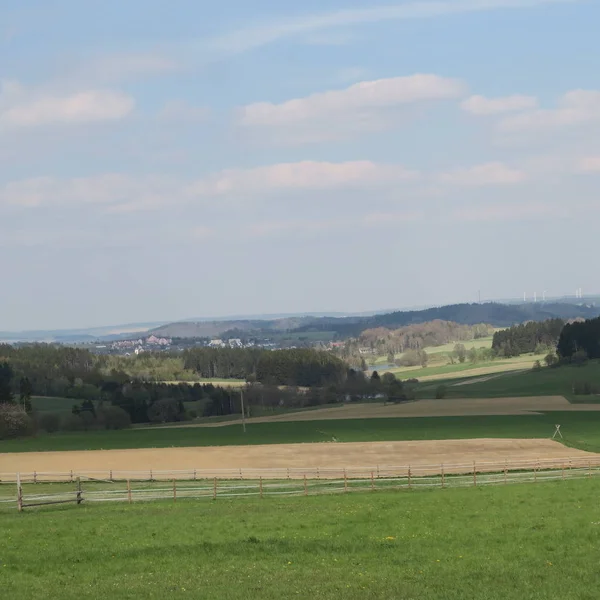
(412,339)
(580,340)
(533,337)
(107,393)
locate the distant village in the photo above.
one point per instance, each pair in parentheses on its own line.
(161,344)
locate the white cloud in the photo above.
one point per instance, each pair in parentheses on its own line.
(123,193)
(335,114)
(113,191)
(21,109)
(365,95)
(480,105)
(589,164)
(252,37)
(576,107)
(305,175)
(492,173)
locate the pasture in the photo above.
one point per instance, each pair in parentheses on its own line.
(459,370)
(581,430)
(557,381)
(527,541)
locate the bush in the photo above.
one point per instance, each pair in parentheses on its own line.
(14,422)
(441,392)
(114,417)
(49,422)
(580,358)
(585,388)
(537,365)
(71,422)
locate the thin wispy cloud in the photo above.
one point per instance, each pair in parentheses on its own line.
(364,106)
(22,108)
(575,108)
(482,106)
(492,173)
(252,37)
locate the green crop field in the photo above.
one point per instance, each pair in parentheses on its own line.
(581,430)
(535,541)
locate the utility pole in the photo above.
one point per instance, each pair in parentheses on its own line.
(243,411)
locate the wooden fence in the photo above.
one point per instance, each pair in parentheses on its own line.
(27,490)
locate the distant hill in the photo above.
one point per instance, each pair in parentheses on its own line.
(338,326)
(203,329)
(496,314)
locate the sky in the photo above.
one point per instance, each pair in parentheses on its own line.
(168,160)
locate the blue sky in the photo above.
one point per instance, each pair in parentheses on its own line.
(169,160)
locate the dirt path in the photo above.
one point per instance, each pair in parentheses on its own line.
(459,407)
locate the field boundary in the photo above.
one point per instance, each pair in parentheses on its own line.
(27,490)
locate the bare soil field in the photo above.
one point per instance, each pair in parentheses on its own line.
(417,454)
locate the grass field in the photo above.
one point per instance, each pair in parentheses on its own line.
(534,541)
(528,383)
(463,369)
(440,353)
(581,430)
(45,404)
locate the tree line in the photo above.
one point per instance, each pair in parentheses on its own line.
(296,367)
(580,339)
(533,337)
(410,340)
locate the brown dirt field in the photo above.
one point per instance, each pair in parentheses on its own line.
(424,408)
(350,455)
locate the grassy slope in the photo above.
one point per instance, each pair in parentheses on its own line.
(580,429)
(528,541)
(547,382)
(441,352)
(462,370)
(52,404)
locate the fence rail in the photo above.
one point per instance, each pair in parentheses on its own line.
(38,489)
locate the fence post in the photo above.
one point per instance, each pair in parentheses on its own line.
(372,481)
(241,476)
(535,470)
(288,473)
(111,475)
(79,496)
(19,494)
(318,473)
(305,486)
(474,474)
(589,468)
(34,477)
(129,491)
(261,487)
(174,490)
(409,478)
(345,481)
(215,489)
(151,475)
(377,471)
(194,474)
(563,470)
(443,477)
(71,476)
(505,472)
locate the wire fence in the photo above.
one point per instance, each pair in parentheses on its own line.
(27,490)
